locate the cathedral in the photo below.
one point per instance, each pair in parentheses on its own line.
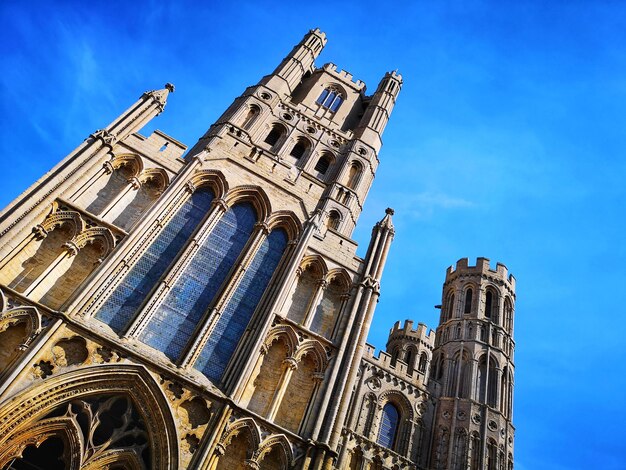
(165,308)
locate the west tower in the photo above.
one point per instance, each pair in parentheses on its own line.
(164,308)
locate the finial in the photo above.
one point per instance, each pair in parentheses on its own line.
(389,211)
(170,86)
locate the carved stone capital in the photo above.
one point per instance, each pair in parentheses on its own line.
(134,182)
(290,363)
(40,232)
(220,204)
(108,167)
(262,227)
(71,248)
(251,464)
(190,187)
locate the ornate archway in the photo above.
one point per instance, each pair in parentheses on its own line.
(103,415)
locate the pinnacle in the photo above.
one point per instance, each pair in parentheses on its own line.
(386,222)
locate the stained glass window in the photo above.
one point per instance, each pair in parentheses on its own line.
(388,426)
(237,313)
(121,306)
(172,325)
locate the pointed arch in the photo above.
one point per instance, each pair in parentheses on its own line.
(132,161)
(27,314)
(65,428)
(340,276)
(255,195)
(90,235)
(131,381)
(315,261)
(156,177)
(286,220)
(287,334)
(279,441)
(212,179)
(242,425)
(317,351)
(57,218)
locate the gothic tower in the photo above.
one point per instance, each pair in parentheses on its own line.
(199,312)
(164,308)
(472,371)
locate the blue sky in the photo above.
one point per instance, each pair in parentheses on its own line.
(507,142)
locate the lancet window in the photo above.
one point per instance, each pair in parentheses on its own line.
(330,99)
(121,306)
(173,324)
(389,422)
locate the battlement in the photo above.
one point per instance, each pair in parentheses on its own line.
(422,331)
(482,267)
(384,361)
(394,74)
(344,76)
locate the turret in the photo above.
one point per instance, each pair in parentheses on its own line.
(379,109)
(472,370)
(413,346)
(298,62)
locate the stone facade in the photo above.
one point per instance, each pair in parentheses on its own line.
(161,312)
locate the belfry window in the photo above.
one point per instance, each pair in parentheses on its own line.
(468,301)
(323,164)
(330,99)
(388,426)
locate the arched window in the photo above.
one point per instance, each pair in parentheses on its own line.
(330,99)
(275,136)
(388,426)
(508,315)
(300,149)
(354,175)
(410,360)
(333,220)
(448,310)
(123,303)
(253,113)
(323,164)
(238,312)
(468,301)
(488,304)
(423,362)
(172,325)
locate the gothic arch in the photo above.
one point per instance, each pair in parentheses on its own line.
(101,234)
(131,381)
(340,276)
(156,177)
(315,261)
(318,353)
(210,178)
(56,218)
(398,399)
(236,427)
(29,315)
(286,220)
(132,160)
(271,443)
(252,194)
(285,332)
(65,428)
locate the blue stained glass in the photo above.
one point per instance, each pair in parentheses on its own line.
(388,426)
(237,313)
(174,322)
(118,310)
(320,100)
